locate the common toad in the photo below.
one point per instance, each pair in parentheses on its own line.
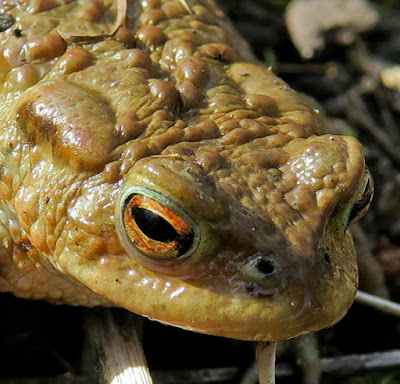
(148,162)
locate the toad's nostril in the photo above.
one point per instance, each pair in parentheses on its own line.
(327,258)
(262,264)
(262,275)
(325,254)
(265,266)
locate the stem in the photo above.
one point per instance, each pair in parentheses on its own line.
(121,355)
(265,358)
(386,306)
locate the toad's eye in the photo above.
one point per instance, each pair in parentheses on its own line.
(155,229)
(363,200)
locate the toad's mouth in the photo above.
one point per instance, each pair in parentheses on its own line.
(256,291)
(241,309)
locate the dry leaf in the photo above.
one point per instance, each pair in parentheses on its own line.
(308,20)
(79,34)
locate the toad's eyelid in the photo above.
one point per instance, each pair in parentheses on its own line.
(363,200)
(157,196)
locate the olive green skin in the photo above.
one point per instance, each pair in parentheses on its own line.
(164,97)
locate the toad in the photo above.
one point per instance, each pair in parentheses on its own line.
(148,162)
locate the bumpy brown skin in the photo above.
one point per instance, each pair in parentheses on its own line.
(96,98)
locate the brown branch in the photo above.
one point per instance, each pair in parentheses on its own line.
(265,359)
(357,113)
(118,347)
(308,357)
(386,306)
(336,366)
(361,59)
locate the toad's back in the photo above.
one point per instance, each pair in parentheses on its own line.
(146,164)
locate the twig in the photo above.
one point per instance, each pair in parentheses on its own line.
(68,378)
(372,277)
(386,306)
(358,114)
(308,357)
(336,366)
(361,58)
(350,364)
(265,359)
(119,349)
(203,376)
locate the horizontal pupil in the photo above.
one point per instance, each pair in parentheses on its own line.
(154,226)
